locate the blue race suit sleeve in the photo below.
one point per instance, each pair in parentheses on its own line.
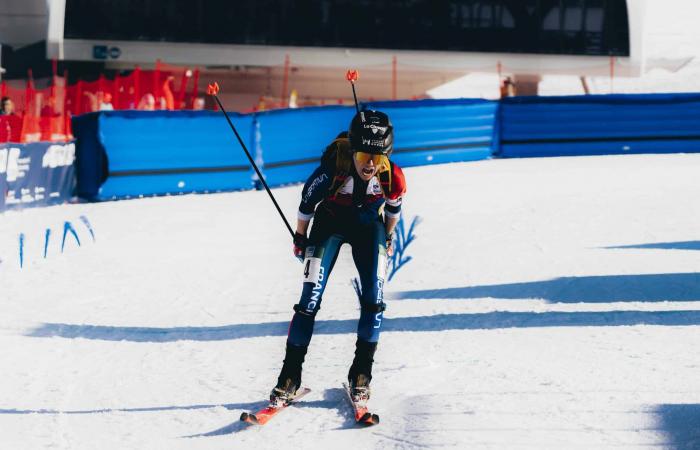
(314,191)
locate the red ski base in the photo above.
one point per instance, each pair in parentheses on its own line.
(264,415)
(367,419)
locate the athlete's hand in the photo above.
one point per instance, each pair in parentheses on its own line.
(390,245)
(300,242)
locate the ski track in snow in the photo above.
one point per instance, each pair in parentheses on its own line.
(550,304)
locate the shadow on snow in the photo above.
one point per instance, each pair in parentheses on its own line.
(679,423)
(229,406)
(592,289)
(332,399)
(684,245)
(439,322)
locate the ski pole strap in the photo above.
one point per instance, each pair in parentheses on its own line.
(374,308)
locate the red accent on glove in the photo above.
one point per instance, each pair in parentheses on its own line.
(299,246)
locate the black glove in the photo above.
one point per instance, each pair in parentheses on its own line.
(300,242)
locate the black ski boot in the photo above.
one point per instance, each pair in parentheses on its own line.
(360,373)
(289,379)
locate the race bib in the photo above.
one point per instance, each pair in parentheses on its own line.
(312,269)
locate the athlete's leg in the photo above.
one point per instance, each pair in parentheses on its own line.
(369,254)
(318,264)
(321,255)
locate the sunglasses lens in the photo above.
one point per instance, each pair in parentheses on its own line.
(364,158)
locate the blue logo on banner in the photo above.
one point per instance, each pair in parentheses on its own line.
(37,174)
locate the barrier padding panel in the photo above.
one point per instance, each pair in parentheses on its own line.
(168,152)
(292,141)
(426,132)
(599,125)
(441,131)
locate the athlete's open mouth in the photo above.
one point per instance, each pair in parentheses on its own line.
(368,170)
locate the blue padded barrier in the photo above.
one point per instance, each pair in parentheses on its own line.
(90,156)
(441,131)
(136,153)
(426,132)
(163,152)
(292,141)
(599,125)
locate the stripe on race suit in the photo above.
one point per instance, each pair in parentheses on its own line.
(381,265)
(312,269)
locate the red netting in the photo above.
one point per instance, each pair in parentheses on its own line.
(44,114)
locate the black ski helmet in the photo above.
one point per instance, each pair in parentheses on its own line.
(371,132)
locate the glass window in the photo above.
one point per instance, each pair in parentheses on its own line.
(573,19)
(594,20)
(586,27)
(552,21)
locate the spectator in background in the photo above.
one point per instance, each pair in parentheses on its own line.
(8,107)
(147,103)
(293,99)
(49,108)
(106,102)
(12,124)
(507,87)
(198,104)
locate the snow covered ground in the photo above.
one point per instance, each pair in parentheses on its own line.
(550,304)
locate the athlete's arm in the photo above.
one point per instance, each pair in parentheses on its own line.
(392,209)
(390,224)
(302,226)
(315,189)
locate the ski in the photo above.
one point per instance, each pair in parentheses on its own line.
(362,414)
(264,415)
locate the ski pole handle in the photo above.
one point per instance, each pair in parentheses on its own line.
(352,76)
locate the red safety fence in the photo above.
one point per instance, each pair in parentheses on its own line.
(44,114)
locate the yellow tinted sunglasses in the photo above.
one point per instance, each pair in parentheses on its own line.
(364,158)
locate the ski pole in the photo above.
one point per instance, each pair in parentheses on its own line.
(212,90)
(352,76)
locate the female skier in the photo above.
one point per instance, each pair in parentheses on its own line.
(354,197)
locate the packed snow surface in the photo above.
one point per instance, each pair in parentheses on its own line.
(550,304)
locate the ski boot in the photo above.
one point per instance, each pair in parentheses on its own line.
(360,373)
(359,389)
(284,394)
(289,379)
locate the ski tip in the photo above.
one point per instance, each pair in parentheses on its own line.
(249,418)
(368,419)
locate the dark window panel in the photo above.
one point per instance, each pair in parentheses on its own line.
(585,27)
